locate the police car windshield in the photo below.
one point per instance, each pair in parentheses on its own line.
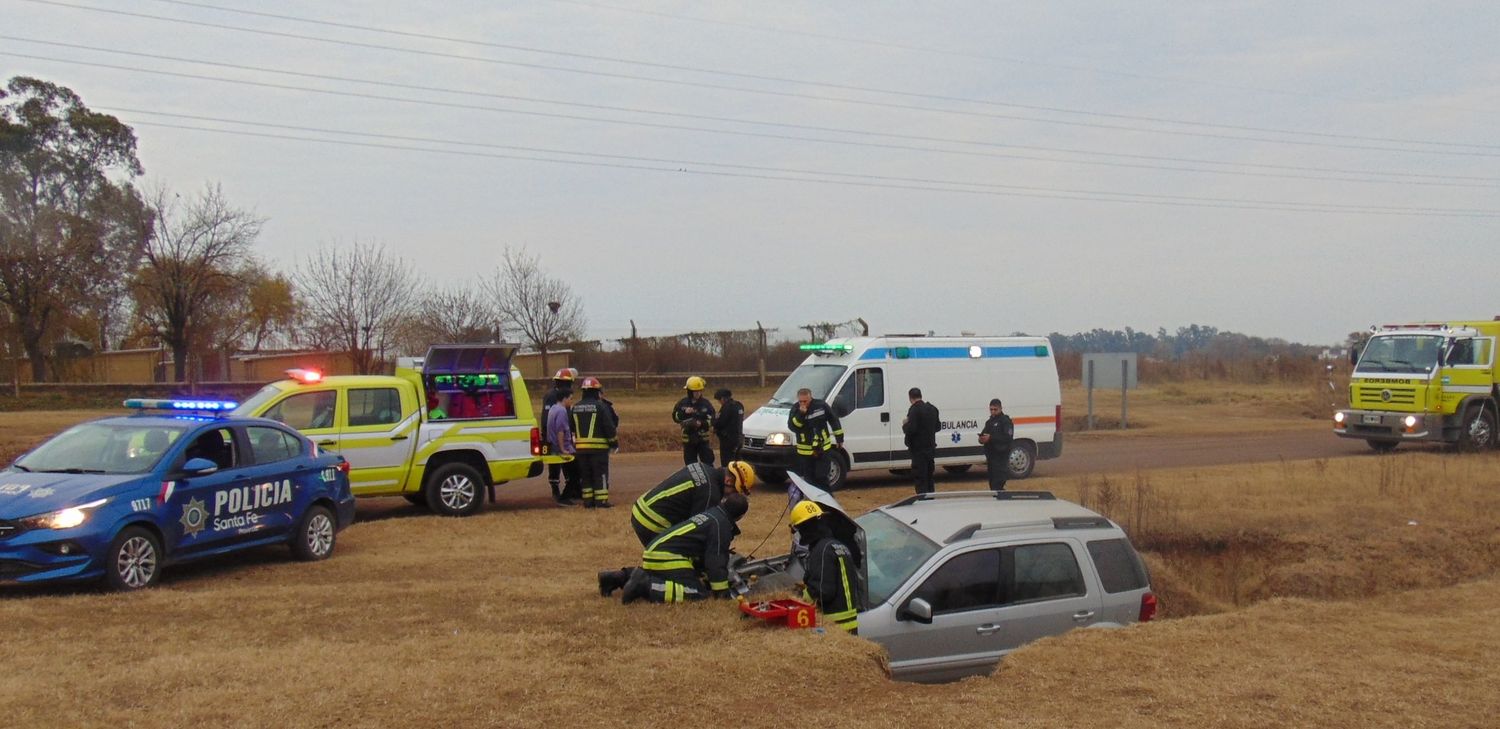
(819,378)
(260,397)
(893,552)
(1401,353)
(113,448)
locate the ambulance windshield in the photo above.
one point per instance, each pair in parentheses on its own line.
(819,378)
(1401,353)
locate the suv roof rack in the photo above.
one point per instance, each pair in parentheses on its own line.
(996,495)
(1058,522)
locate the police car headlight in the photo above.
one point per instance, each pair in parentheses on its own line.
(779,439)
(63,518)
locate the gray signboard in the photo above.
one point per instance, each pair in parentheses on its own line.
(1110,370)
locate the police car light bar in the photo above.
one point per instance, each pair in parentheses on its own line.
(306,377)
(841,348)
(143,403)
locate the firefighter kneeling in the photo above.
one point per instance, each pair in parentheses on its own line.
(691,490)
(830,577)
(677,563)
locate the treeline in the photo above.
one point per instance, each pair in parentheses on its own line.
(1192,352)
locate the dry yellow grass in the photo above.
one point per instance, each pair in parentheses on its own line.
(494,621)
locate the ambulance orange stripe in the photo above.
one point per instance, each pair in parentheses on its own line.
(1034,420)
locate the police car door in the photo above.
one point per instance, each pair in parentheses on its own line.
(377,434)
(281,480)
(866,416)
(201,509)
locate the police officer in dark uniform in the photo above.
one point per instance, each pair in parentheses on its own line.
(921,426)
(817,430)
(998,434)
(830,570)
(696,417)
(692,489)
(689,561)
(594,436)
(562,383)
(729,425)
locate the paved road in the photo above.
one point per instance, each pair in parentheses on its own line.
(633,473)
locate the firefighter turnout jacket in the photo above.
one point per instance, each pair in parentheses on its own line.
(691,490)
(831,583)
(594,423)
(699,544)
(812,428)
(695,416)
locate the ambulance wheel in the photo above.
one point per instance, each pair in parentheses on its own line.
(1022,459)
(455,489)
(1478,432)
(133,561)
(1381,446)
(958,469)
(315,535)
(838,470)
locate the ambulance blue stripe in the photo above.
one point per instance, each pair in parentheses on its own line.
(952,352)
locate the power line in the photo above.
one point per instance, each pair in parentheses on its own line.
(1455,180)
(576,117)
(783,94)
(804,82)
(864,181)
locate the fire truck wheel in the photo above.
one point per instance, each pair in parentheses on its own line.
(1478,431)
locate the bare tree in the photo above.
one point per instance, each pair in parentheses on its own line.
(199,256)
(356,297)
(457,314)
(544,309)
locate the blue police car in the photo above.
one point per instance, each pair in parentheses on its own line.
(119,498)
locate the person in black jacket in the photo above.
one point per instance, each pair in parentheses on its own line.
(689,561)
(594,435)
(921,426)
(998,434)
(729,425)
(696,418)
(817,431)
(562,477)
(692,489)
(830,577)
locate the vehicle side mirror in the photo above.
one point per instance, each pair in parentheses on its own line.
(1353,356)
(919,610)
(199,467)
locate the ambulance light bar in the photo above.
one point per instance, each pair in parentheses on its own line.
(145,403)
(835,348)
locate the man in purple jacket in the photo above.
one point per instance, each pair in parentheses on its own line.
(560,433)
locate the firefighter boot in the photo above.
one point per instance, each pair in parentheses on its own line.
(611,580)
(638,587)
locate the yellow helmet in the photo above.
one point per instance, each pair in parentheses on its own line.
(744,476)
(695,384)
(803,511)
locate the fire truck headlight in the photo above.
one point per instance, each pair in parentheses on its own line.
(1338,418)
(1410,421)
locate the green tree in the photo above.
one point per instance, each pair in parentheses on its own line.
(70,220)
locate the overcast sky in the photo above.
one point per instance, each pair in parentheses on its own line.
(1283,169)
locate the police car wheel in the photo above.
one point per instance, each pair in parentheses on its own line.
(315,535)
(1022,460)
(134,560)
(455,489)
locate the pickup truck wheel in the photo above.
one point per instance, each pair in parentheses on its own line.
(1382,446)
(455,489)
(1478,431)
(315,534)
(1022,459)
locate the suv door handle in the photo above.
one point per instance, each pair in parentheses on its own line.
(988,629)
(1082,615)
(328,442)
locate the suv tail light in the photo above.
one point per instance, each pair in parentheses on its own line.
(1148,607)
(536,441)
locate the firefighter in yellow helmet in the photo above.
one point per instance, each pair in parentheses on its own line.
(696,418)
(830,578)
(689,561)
(692,489)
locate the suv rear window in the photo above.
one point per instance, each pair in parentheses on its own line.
(1120,568)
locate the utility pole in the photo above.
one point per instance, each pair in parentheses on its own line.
(760,350)
(635,368)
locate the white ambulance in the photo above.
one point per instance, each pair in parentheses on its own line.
(865,380)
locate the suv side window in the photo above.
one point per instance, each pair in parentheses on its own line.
(1044,571)
(269,445)
(306,410)
(968,581)
(374,406)
(1120,568)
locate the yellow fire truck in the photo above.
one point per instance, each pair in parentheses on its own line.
(1432,382)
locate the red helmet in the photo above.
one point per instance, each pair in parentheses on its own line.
(590,383)
(565,373)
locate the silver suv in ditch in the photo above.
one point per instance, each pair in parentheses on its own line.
(952,582)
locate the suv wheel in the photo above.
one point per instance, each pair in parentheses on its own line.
(315,535)
(455,489)
(1478,431)
(1022,459)
(134,560)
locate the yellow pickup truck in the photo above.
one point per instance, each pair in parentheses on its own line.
(444,430)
